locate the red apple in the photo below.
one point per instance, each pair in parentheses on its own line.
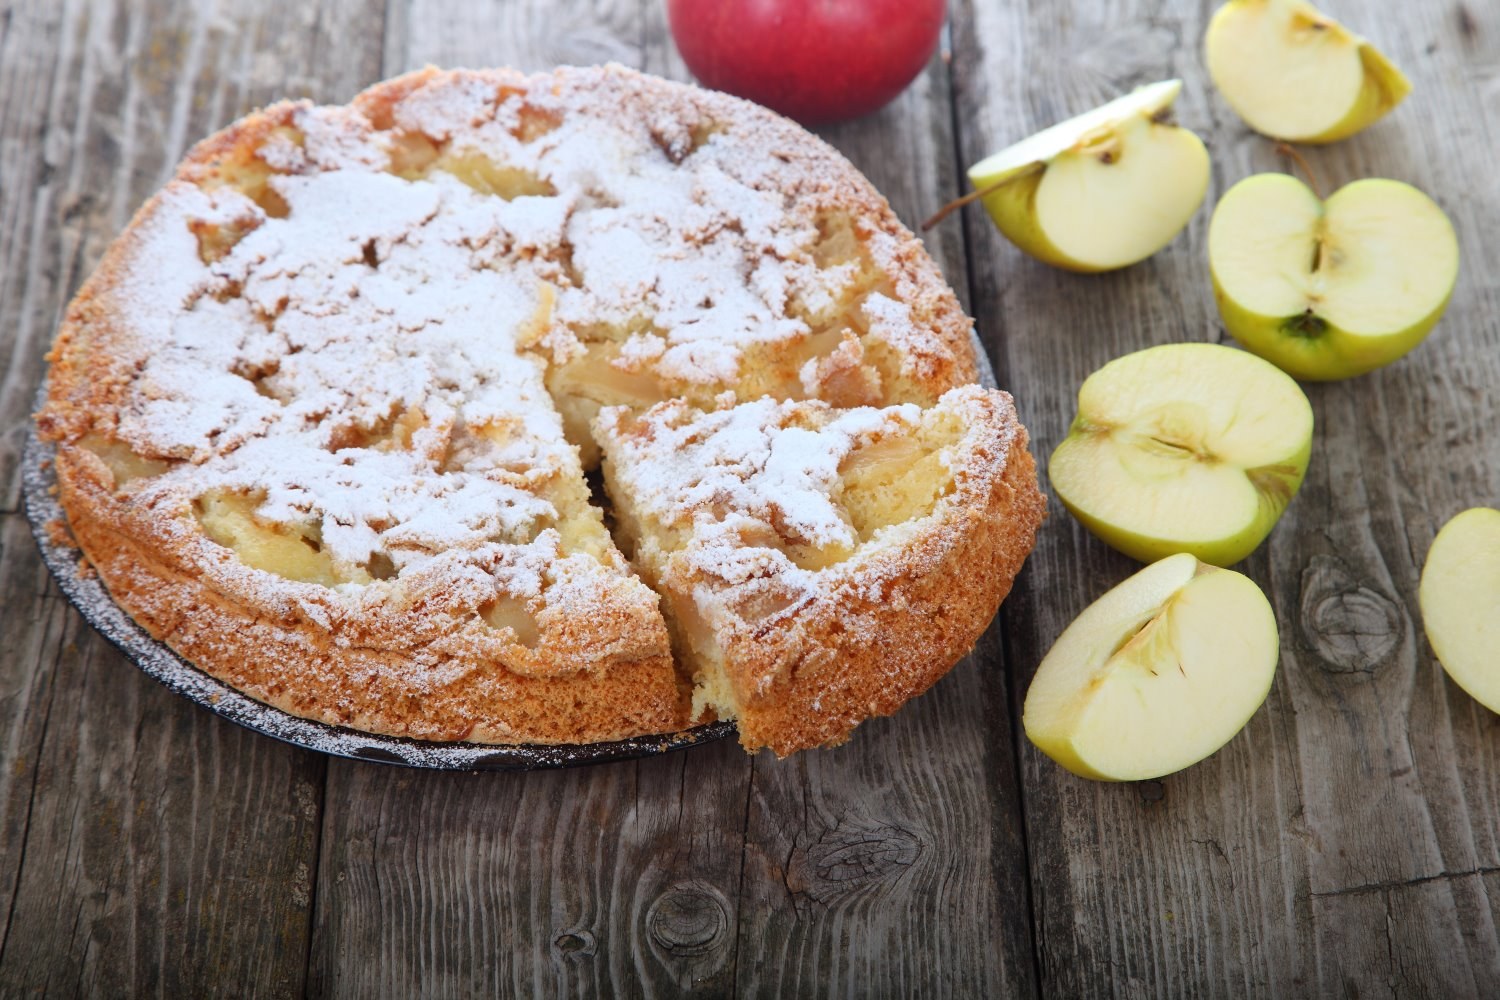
(813,60)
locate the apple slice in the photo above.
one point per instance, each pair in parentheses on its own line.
(1184,448)
(1294,73)
(1155,675)
(1335,289)
(1100,191)
(1460,599)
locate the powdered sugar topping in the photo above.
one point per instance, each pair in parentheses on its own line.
(760,460)
(363,361)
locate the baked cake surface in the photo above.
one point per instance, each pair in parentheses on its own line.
(324,411)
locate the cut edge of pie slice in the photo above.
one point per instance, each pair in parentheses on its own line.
(819,566)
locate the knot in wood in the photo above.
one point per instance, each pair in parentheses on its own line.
(571,943)
(1352,627)
(845,860)
(687,920)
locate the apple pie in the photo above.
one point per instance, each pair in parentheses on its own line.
(328,413)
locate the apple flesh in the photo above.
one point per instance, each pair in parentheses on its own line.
(1291,72)
(1100,191)
(1330,290)
(1155,675)
(815,62)
(1460,600)
(1184,448)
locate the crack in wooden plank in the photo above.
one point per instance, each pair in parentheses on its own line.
(1392,884)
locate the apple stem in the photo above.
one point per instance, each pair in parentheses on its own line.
(1288,150)
(958,203)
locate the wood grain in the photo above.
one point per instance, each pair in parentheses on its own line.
(1345,840)
(164,851)
(145,846)
(565,883)
(35,619)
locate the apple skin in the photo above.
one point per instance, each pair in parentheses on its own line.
(1384,85)
(1013,205)
(1224,618)
(1012,208)
(818,61)
(1333,354)
(1226,551)
(1223,553)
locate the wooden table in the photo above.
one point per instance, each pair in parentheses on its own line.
(1347,843)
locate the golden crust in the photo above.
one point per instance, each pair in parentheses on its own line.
(424,670)
(411,657)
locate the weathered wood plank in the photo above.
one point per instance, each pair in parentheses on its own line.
(145,846)
(1349,842)
(32,44)
(568,883)
(529,35)
(1365,766)
(34,622)
(892,866)
(1433,938)
(149,848)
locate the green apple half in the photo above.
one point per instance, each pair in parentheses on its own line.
(1100,191)
(1155,675)
(1328,290)
(1184,448)
(1293,73)
(1460,599)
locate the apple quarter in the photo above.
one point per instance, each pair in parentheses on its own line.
(1156,675)
(1100,191)
(1294,73)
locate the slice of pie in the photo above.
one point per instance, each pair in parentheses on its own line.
(324,417)
(820,566)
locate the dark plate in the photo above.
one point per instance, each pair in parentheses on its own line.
(87,594)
